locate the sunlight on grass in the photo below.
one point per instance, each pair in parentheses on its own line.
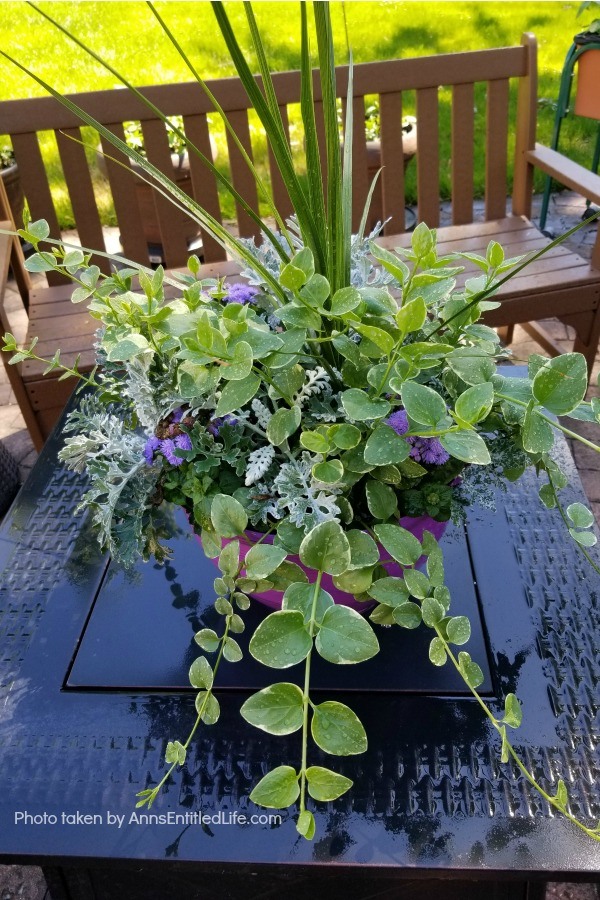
(376,30)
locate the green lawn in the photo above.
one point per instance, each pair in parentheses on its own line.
(129,37)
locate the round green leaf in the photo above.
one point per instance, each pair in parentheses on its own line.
(354,581)
(283,424)
(433,611)
(345,637)
(201,674)
(437,652)
(278,789)
(338,730)
(236,394)
(580,515)
(407,615)
(329,472)
(263,559)
(208,640)
(345,436)
(560,384)
(306,824)
(361,408)
(325,785)
(232,650)
(475,403)
(363,549)
(513,714)
(584,538)
(277,709)
(286,574)
(458,630)
(385,447)
(315,442)
(344,301)
(300,597)
(392,591)
(229,558)
(422,403)
(240,365)
(207,707)
(326,549)
(538,436)
(469,670)
(467,446)
(281,640)
(399,543)
(228,516)
(381,499)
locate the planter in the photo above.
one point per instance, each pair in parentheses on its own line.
(14,190)
(145,195)
(409,149)
(416,525)
(587,100)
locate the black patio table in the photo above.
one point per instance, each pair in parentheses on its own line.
(93,664)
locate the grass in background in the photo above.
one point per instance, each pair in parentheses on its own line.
(129,37)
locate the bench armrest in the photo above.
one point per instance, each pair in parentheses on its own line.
(565,171)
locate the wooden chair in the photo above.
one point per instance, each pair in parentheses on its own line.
(562,284)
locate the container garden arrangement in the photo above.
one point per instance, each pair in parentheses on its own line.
(587,99)
(319,421)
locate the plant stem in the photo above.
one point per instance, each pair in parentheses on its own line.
(306,699)
(501,729)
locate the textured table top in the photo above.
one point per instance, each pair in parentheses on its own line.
(430,794)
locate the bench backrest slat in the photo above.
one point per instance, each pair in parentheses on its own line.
(463,143)
(496,149)
(81,192)
(428,166)
(456,73)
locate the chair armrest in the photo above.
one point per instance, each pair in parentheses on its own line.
(565,171)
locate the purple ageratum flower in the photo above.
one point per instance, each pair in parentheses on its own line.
(150,447)
(167,448)
(423,449)
(240,293)
(183,442)
(214,426)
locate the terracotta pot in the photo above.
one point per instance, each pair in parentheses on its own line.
(145,197)
(14,189)
(416,525)
(587,100)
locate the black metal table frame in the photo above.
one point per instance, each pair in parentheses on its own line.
(431,799)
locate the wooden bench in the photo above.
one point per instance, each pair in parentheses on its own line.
(562,284)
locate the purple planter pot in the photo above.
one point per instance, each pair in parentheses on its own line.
(416,525)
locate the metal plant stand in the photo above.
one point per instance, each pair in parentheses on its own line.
(92,675)
(563,108)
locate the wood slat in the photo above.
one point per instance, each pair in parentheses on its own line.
(392,176)
(36,188)
(172,224)
(203,182)
(525,131)
(463,138)
(122,186)
(428,166)
(242,177)
(496,148)
(360,163)
(81,193)
(281,197)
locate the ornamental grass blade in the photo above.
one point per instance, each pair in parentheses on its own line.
(345,233)
(313,153)
(264,191)
(365,215)
(274,129)
(174,128)
(332,145)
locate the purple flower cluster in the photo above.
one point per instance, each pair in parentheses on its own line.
(215,425)
(167,448)
(240,293)
(423,450)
